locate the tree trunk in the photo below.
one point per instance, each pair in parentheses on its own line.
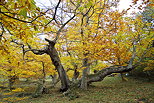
(84,74)
(52,52)
(76,73)
(40,89)
(55,80)
(10,84)
(11,81)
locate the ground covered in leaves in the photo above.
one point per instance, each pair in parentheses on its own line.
(111,90)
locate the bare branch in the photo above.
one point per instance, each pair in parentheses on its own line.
(14,41)
(2,29)
(87,11)
(58,32)
(35,51)
(23,20)
(54,16)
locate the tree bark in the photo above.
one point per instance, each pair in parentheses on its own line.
(11,81)
(52,52)
(84,74)
(100,75)
(76,73)
(55,80)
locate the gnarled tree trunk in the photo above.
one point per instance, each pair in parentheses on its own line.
(52,52)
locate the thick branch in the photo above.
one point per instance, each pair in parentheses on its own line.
(35,51)
(100,75)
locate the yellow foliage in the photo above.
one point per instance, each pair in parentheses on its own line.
(70,73)
(18,90)
(149,65)
(100,65)
(9,93)
(14,99)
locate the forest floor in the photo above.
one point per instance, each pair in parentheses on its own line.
(110,90)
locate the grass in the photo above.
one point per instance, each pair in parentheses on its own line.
(110,90)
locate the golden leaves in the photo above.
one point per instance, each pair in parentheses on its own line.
(100,34)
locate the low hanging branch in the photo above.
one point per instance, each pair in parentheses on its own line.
(100,75)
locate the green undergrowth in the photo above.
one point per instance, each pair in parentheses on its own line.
(110,90)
